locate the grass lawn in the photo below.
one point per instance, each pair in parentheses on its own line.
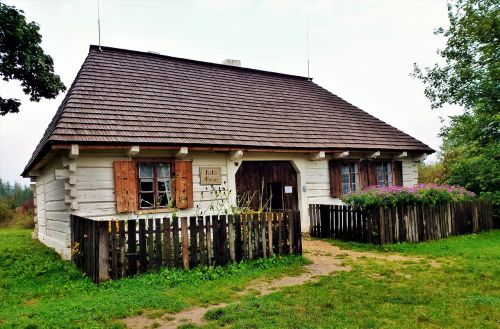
(464,292)
(38,290)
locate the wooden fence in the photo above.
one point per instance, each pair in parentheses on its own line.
(114,249)
(412,223)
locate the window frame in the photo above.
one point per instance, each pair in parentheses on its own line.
(155,162)
(388,172)
(357,172)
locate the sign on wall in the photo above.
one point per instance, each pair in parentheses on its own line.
(210,176)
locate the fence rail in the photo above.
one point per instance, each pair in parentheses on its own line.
(412,223)
(114,249)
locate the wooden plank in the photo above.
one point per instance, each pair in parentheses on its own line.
(158,244)
(121,246)
(114,253)
(185,243)
(208,236)
(103,252)
(256,235)
(269,219)
(231,237)
(290,231)
(263,238)
(167,243)
(249,219)
(193,261)
(175,238)
(223,246)
(216,240)
(131,247)
(142,245)
(151,258)
(238,243)
(279,218)
(201,235)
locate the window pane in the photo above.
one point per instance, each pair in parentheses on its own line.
(164,185)
(345,168)
(345,178)
(147,185)
(163,199)
(163,170)
(345,189)
(147,200)
(146,170)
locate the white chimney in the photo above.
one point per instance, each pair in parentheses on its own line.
(232,62)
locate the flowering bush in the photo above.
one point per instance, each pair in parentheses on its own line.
(398,195)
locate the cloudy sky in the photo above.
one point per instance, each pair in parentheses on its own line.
(363,51)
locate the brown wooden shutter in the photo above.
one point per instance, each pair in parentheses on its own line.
(335,167)
(125,175)
(371,167)
(397,172)
(183,184)
(363,174)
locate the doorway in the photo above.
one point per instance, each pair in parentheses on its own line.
(267,185)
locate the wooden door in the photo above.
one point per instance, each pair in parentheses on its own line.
(267,184)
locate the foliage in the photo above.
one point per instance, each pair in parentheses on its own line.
(22,58)
(470,77)
(462,292)
(399,195)
(431,173)
(16,206)
(39,290)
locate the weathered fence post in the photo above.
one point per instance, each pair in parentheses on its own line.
(103,247)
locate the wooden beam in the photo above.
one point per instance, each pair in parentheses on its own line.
(182,153)
(61,173)
(74,151)
(422,157)
(402,155)
(344,154)
(318,156)
(375,155)
(134,150)
(235,155)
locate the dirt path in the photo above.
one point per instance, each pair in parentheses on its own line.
(325,260)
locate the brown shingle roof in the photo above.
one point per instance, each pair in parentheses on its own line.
(123,96)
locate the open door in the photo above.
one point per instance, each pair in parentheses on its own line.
(270,185)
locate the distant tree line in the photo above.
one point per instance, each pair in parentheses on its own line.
(16,205)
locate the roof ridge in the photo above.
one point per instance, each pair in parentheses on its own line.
(231,67)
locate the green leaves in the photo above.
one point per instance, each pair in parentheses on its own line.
(22,58)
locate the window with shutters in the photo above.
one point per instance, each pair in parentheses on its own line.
(383,170)
(155,185)
(350,177)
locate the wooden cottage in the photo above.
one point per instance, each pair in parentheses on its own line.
(141,133)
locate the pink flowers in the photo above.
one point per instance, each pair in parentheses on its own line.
(395,195)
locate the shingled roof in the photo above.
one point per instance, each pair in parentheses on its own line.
(128,97)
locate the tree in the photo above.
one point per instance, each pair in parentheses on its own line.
(22,58)
(469,77)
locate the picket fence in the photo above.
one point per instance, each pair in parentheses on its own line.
(412,223)
(111,249)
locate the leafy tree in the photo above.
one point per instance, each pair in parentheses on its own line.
(431,173)
(22,58)
(469,77)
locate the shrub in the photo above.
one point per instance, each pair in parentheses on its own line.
(397,195)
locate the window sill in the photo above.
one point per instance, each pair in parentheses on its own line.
(155,211)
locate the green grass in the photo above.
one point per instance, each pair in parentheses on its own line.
(464,292)
(38,290)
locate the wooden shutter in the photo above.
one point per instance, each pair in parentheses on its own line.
(183,184)
(125,176)
(397,172)
(363,174)
(371,168)
(335,168)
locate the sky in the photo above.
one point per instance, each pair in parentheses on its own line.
(362,51)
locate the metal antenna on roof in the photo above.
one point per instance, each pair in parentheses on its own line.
(99,24)
(307,41)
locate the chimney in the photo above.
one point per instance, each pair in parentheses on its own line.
(232,62)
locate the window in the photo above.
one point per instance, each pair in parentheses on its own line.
(350,177)
(383,172)
(155,188)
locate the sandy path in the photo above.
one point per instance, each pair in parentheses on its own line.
(324,257)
